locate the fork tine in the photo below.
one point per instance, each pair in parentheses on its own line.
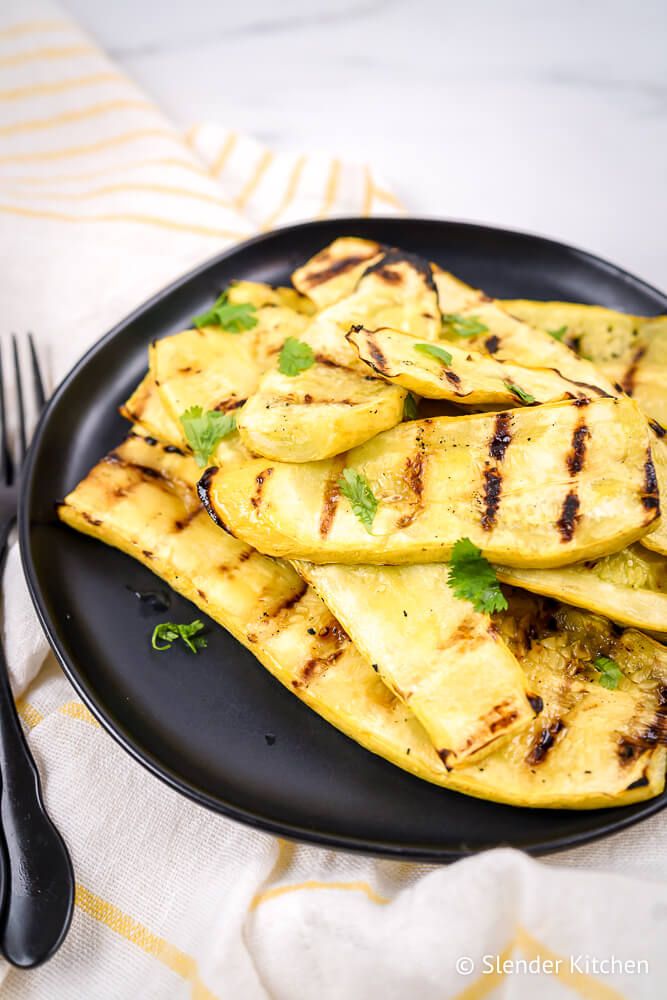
(19,400)
(38,381)
(6,464)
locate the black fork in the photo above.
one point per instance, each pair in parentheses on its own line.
(36,877)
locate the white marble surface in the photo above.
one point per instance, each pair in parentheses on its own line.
(545,117)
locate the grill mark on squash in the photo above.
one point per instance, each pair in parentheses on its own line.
(379,362)
(492,343)
(414,480)
(628,379)
(384,268)
(330,499)
(577,454)
(260,480)
(544,742)
(335,268)
(288,602)
(493,485)
(583,385)
(651,494)
(567,522)
(657,428)
(502,436)
(229,404)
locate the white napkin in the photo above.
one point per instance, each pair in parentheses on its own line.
(102,203)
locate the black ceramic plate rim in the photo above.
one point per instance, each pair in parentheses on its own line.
(115,728)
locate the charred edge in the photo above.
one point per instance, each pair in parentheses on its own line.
(581,401)
(229,404)
(260,480)
(492,343)
(383,267)
(544,742)
(288,602)
(583,385)
(336,268)
(379,361)
(94,521)
(536,703)
(577,453)
(502,435)
(567,522)
(203,492)
(639,783)
(631,747)
(651,494)
(444,754)
(657,428)
(628,380)
(493,485)
(329,506)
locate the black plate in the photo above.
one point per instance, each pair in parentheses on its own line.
(202,725)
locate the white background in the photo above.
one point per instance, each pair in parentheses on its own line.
(545,117)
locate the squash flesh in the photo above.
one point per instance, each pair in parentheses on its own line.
(435,652)
(516,483)
(333,273)
(587,766)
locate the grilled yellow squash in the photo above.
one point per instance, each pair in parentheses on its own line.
(218,370)
(469,378)
(508,338)
(333,406)
(533,487)
(630,586)
(146,409)
(589,748)
(630,350)
(437,654)
(319,413)
(333,273)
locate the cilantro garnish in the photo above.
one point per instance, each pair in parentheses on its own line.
(610,672)
(473,578)
(559,333)
(410,407)
(204,430)
(232,317)
(436,352)
(520,393)
(356,489)
(169,632)
(464,326)
(295,357)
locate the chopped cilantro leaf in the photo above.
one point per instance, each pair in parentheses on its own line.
(610,672)
(356,489)
(295,357)
(473,578)
(435,352)
(204,430)
(169,632)
(464,326)
(232,317)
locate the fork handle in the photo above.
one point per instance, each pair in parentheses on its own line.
(38,879)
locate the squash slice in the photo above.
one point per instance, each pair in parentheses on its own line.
(631,351)
(333,273)
(146,409)
(319,413)
(468,378)
(589,748)
(630,586)
(533,487)
(509,339)
(435,652)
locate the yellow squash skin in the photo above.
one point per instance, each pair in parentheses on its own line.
(317,414)
(594,752)
(437,654)
(631,351)
(533,487)
(333,273)
(470,378)
(630,586)
(509,339)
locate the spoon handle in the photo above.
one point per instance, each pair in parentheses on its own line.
(39,880)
